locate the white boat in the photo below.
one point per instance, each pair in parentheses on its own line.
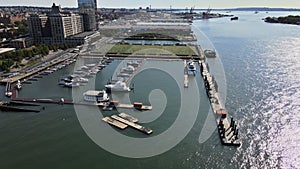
(72,84)
(123,75)
(84,68)
(90,65)
(128,69)
(133,63)
(19,85)
(81,80)
(119,86)
(95,96)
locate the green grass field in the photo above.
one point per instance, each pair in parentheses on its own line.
(148,49)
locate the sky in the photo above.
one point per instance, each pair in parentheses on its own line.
(161,3)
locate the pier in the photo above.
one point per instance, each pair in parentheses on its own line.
(134,125)
(115,122)
(228,131)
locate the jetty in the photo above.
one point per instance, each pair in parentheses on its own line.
(228,131)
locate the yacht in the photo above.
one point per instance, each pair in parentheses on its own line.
(119,86)
(95,96)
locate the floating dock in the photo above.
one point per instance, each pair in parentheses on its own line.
(114,122)
(134,125)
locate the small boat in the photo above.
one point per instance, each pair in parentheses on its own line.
(19,85)
(119,86)
(128,69)
(81,80)
(84,68)
(210,53)
(191,66)
(71,84)
(132,63)
(234,18)
(90,65)
(123,75)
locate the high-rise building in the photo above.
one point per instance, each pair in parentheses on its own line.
(88,9)
(55,27)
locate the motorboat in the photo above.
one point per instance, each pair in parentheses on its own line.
(119,86)
(71,84)
(95,96)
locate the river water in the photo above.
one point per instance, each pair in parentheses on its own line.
(258,73)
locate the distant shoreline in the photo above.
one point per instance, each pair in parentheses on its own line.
(167,9)
(294,20)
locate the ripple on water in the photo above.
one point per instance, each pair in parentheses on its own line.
(270,120)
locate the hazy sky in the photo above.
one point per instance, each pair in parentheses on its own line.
(163,3)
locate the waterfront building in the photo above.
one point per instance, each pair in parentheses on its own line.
(88,8)
(55,27)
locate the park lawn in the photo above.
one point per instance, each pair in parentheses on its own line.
(148,49)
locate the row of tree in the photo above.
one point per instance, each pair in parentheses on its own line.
(10,58)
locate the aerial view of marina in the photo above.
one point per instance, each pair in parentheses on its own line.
(131,84)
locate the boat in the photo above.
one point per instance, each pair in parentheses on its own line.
(119,86)
(132,63)
(91,65)
(234,18)
(95,96)
(81,80)
(128,69)
(18,85)
(71,84)
(123,75)
(84,68)
(191,66)
(210,53)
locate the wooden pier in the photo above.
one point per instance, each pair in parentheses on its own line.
(131,124)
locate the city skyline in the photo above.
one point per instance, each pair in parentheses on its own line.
(164,4)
